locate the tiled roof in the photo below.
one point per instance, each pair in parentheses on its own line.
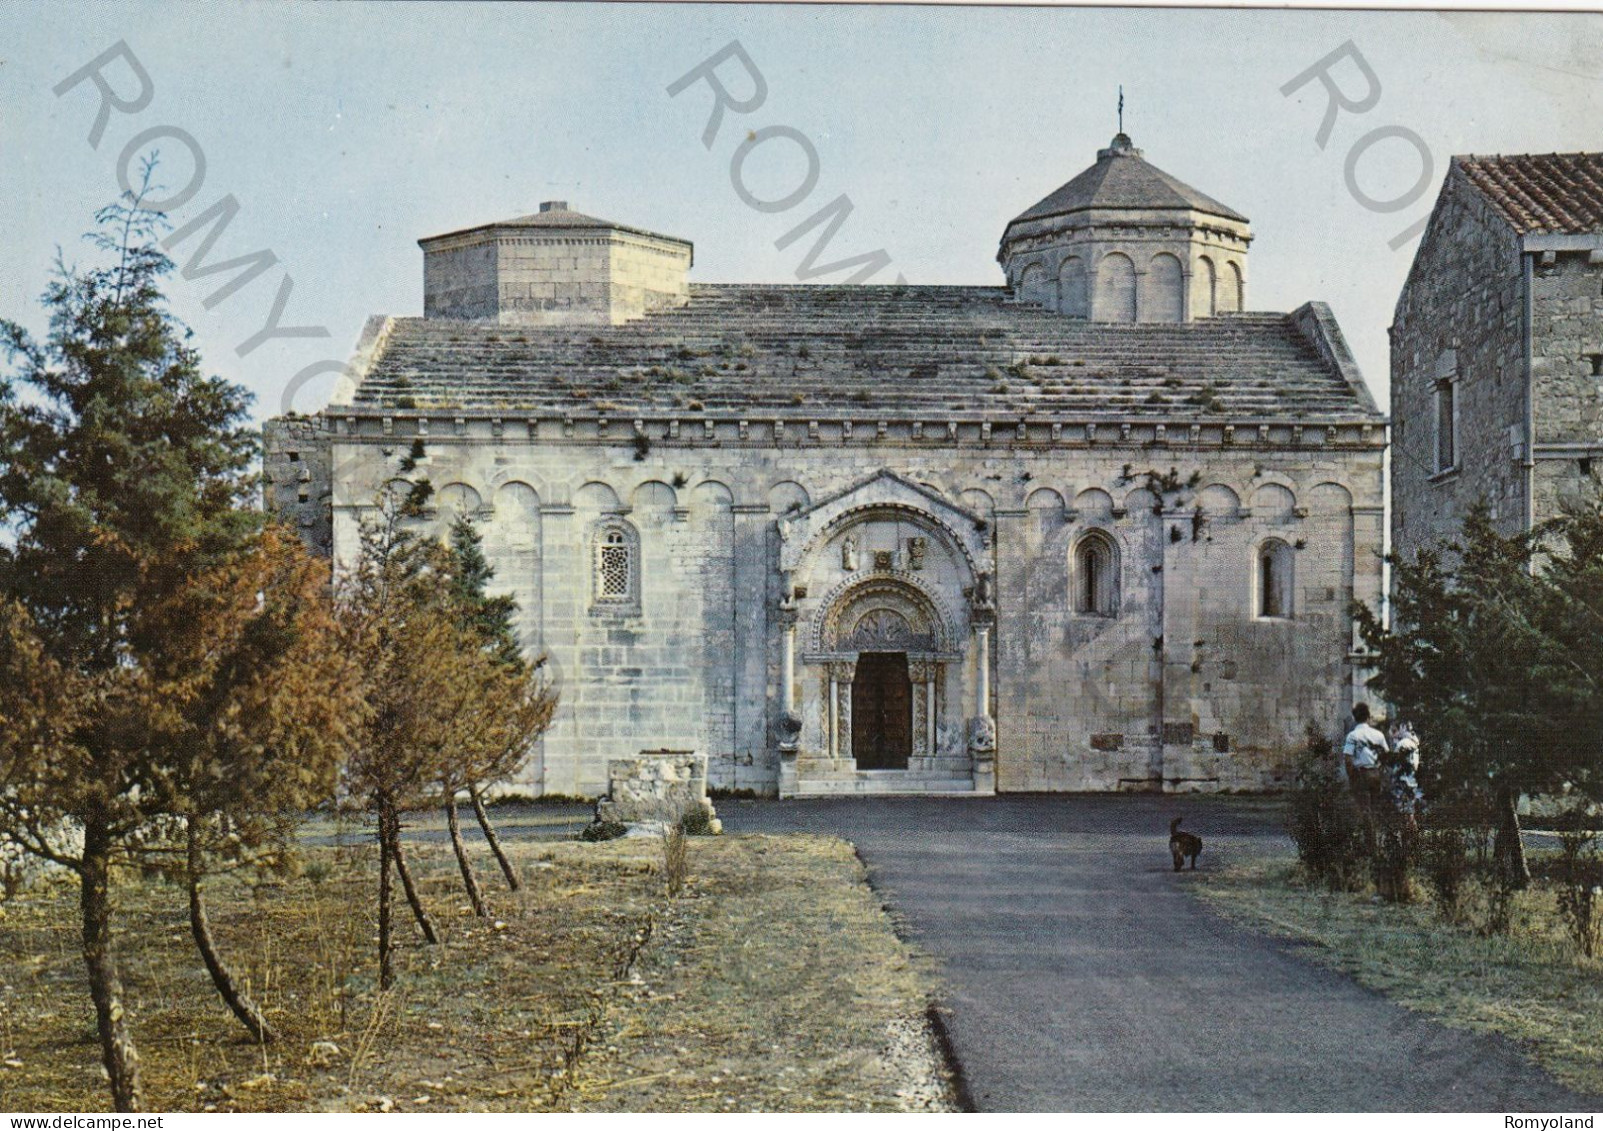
(1122,178)
(806,352)
(1542,192)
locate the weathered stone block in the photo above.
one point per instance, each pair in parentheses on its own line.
(656,789)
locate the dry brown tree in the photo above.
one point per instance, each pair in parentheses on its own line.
(260,704)
(417,674)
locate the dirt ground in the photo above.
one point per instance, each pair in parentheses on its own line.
(774,981)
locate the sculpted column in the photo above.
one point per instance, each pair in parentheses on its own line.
(982,648)
(982,728)
(788,726)
(833,742)
(788,669)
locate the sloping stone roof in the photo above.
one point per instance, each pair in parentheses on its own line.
(555,214)
(810,352)
(1545,192)
(1123,179)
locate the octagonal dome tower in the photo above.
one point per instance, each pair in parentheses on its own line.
(1126,242)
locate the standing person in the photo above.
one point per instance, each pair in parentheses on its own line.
(1361,752)
(1406,793)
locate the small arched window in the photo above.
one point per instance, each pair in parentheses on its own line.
(1274,580)
(616,567)
(1096,576)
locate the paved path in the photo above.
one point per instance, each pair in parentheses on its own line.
(1081,975)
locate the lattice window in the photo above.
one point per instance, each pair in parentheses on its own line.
(616,569)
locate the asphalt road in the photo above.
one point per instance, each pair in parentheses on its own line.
(1082,976)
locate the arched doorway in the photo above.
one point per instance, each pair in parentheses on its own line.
(882,711)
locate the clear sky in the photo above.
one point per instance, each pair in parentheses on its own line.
(345,132)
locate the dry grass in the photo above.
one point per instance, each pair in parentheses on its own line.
(775,983)
(1529,984)
(504,1015)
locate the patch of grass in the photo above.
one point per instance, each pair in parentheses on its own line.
(773,983)
(1529,984)
(770,983)
(481,1021)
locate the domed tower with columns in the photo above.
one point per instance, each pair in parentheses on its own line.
(1126,242)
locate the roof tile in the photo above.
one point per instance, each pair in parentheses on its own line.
(1541,193)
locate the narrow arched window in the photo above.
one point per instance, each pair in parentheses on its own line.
(616,567)
(1274,579)
(1096,576)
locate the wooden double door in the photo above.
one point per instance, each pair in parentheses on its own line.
(882,711)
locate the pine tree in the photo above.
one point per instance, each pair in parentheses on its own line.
(1483,658)
(515,706)
(406,647)
(123,473)
(490,617)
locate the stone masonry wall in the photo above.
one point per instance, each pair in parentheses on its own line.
(1567,387)
(297,477)
(1461,315)
(1185,684)
(527,277)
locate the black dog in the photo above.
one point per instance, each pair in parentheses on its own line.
(1183,845)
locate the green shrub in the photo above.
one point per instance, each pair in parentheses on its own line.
(1580,882)
(1391,867)
(696,823)
(1334,840)
(1444,858)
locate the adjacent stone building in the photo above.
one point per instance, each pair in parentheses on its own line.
(1096,529)
(1497,348)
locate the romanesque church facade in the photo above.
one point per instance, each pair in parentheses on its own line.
(1097,528)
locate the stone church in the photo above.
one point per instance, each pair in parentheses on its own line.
(1097,528)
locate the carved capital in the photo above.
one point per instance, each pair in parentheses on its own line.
(787,729)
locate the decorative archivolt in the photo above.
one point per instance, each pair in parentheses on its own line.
(1218,500)
(887,495)
(893,612)
(868,512)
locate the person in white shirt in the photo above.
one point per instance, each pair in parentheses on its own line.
(1361,753)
